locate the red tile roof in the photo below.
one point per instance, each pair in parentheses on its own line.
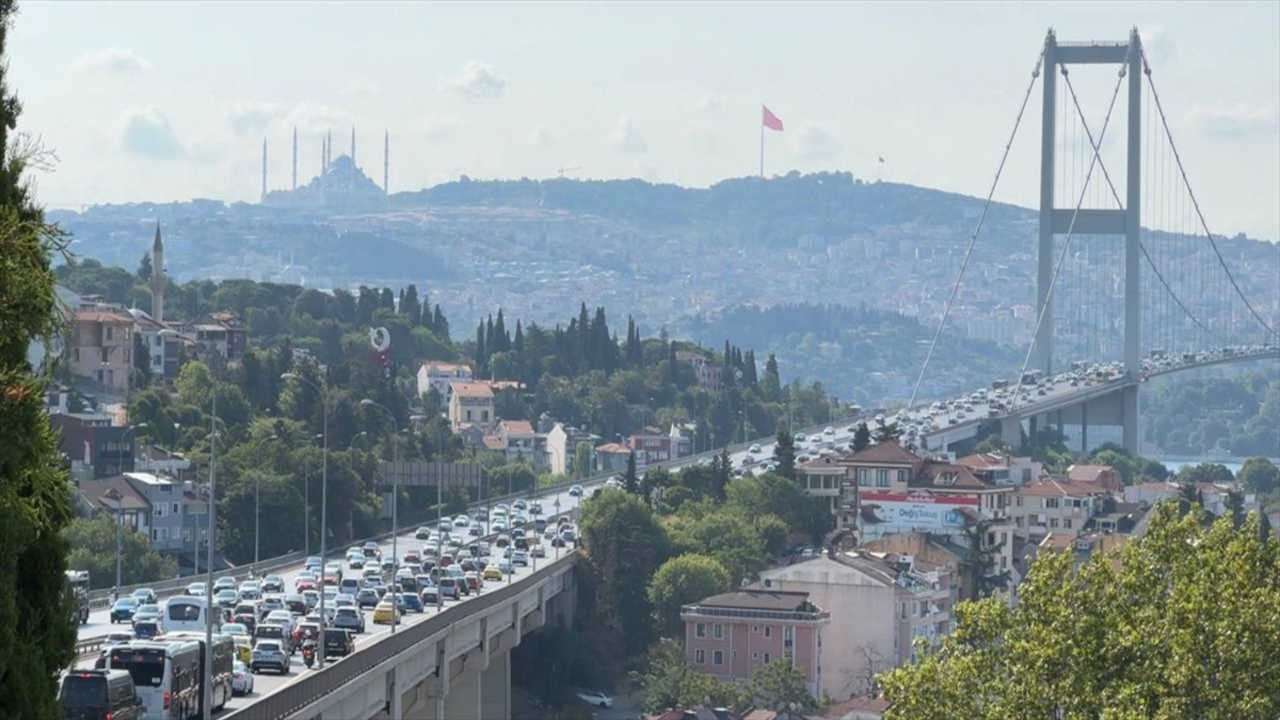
(613,448)
(1058,541)
(471,389)
(1049,487)
(944,476)
(516,427)
(885,452)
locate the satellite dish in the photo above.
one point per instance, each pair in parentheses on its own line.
(380,339)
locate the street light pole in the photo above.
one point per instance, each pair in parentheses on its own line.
(208,604)
(324,490)
(395,503)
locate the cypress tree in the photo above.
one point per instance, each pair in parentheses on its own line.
(37,634)
(388,299)
(519,341)
(501,341)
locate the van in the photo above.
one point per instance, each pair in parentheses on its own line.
(448,587)
(349,585)
(166,675)
(94,694)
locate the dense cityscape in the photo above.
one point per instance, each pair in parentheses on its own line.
(805,445)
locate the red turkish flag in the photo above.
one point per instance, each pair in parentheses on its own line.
(770,120)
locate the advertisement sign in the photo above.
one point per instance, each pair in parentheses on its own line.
(892,513)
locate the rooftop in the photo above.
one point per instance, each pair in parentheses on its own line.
(148,478)
(760,600)
(516,427)
(885,452)
(613,448)
(1051,487)
(96,491)
(471,389)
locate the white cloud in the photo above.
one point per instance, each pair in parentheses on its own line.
(112,60)
(252,117)
(476,80)
(246,117)
(626,138)
(1234,121)
(147,132)
(813,143)
(440,126)
(540,137)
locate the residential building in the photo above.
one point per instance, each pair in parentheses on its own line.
(828,477)
(731,635)
(516,441)
(1211,495)
(102,346)
(222,333)
(166,500)
(93,445)
(1104,477)
(133,508)
(1082,545)
(709,372)
(1049,504)
(1002,469)
(651,445)
(57,399)
(612,457)
(562,448)
(856,708)
(195,523)
(879,601)
(438,375)
(160,342)
(470,403)
(155,459)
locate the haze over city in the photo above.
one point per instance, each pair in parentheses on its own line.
(178,98)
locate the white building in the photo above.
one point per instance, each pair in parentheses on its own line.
(438,375)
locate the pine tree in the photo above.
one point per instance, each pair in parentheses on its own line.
(37,637)
(518,343)
(861,437)
(388,300)
(144,267)
(631,481)
(784,452)
(501,341)
(480,356)
(410,307)
(749,369)
(671,362)
(440,324)
(772,382)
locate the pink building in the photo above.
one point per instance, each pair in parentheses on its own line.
(731,634)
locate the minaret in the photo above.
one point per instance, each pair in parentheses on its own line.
(157,278)
(328,152)
(264,169)
(386,161)
(353,145)
(295,158)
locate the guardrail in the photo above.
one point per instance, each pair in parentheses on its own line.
(316,685)
(164,588)
(90,646)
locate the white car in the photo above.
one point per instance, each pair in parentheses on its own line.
(241,679)
(196,589)
(595,697)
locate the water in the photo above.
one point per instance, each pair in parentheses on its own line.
(1176,465)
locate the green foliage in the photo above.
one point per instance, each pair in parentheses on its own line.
(668,682)
(1260,475)
(784,453)
(93,548)
(781,687)
(624,545)
(1179,624)
(1233,412)
(726,535)
(679,581)
(1205,473)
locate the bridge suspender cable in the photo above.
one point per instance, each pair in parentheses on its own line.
(1177,158)
(1066,243)
(973,238)
(1115,195)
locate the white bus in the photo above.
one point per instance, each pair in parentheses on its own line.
(223,656)
(185,613)
(165,674)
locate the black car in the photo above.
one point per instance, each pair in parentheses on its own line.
(338,642)
(94,694)
(123,609)
(367,598)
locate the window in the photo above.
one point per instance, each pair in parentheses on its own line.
(468,416)
(717,657)
(924,608)
(1018,501)
(159,511)
(1053,522)
(700,630)
(700,656)
(788,636)
(75,353)
(864,477)
(755,654)
(755,629)
(828,483)
(484,415)
(717,631)
(902,477)
(109,332)
(767,630)
(1066,523)
(1051,502)
(105,355)
(174,509)
(766,658)
(882,478)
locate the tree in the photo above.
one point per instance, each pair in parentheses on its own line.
(1260,475)
(784,453)
(1181,623)
(141,362)
(93,543)
(624,545)
(144,268)
(682,580)
(630,482)
(887,432)
(1206,473)
(582,461)
(653,480)
(668,681)
(781,687)
(861,437)
(37,638)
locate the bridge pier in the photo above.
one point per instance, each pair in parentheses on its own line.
(1084,427)
(1129,413)
(1011,432)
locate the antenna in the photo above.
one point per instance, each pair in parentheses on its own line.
(386,161)
(295,158)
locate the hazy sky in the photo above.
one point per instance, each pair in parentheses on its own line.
(168,101)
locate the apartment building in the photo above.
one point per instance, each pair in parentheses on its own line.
(118,498)
(708,372)
(562,448)
(612,457)
(92,445)
(165,497)
(102,346)
(437,376)
(160,342)
(516,441)
(652,445)
(731,635)
(470,403)
(1049,505)
(828,477)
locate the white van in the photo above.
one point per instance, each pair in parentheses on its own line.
(185,613)
(166,676)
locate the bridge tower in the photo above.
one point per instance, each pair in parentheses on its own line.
(1126,222)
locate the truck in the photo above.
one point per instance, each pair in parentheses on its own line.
(78,585)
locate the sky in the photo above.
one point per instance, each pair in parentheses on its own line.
(170,101)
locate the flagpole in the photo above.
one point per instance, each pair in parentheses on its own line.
(762,146)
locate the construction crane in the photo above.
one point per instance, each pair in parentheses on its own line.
(563,170)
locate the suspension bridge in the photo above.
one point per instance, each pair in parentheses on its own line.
(1132,282)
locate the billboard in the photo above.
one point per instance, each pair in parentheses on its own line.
(884,513)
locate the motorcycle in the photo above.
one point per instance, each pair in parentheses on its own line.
(309,653)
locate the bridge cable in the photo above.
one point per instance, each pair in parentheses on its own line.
(973,238)
(1196,203)
(1066,244)
(1116,196)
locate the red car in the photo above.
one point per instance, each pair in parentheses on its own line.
(304,584)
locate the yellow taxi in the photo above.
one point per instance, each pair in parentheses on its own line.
(244,651)
(385,612)
(492,573)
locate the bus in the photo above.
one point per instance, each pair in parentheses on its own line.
(224,649)
(78,585)
(166,676)
(185,613)
(1031,377)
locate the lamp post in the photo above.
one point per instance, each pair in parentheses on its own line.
(395,502)
(208,586)
(324,489)
(114,494)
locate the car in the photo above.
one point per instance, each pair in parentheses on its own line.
(595,697)
(296,603)
(226,598)
(338,642)
(147,612)
(224,581)
(146,629)
(368,597)
(282,617)
(423,532)
(754,449)
(505,566)
(144,596)
(269,655)
(276,633)
(575,491)
(349,618)
(473,580)
(241,679)
(538,551)
(313,563)
(491,572)
(356,561)
(568,535)
(123,609)
(430,595)
(113,639)
(249,620)
(309,630)
(196,589)
(520,557)
(250,590)
(388,565)
(449,588)
(829,431)
(100,694)
(344,600)
(271,603)
(312,596)
(273,584)
(371,550)
(411,602)
(386,612)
